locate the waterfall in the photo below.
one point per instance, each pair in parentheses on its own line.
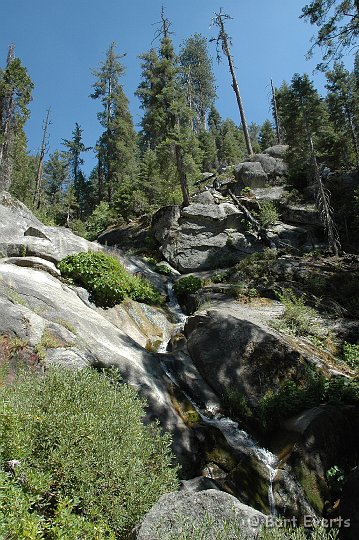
(237,438)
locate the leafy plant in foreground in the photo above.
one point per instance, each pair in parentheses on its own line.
(87,468)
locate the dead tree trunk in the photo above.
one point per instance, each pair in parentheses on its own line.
(275,113)
(323,202)
(37,195)
(225,45)
(182,174)
(7,107)
(261,231)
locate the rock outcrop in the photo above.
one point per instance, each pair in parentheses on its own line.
(202,236)
(61,326)
(22,234)
(262,168)
(184,512)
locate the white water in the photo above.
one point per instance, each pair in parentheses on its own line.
(237,439)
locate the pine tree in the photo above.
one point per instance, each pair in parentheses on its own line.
(232,148)
(266,136)
(197,78)
(338,27)
(75,147)
(302,111)
(166,124)
(15,95)
(117,146)
(341,101)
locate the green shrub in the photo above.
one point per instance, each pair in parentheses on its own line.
(187,285)
(257,266)
(268,214)
(298,318)
(106,279)
(351,355)
(88,465)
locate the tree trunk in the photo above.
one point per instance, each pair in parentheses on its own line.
(275,113)
(226,50)
(182,174)
(261,231)
(37,195)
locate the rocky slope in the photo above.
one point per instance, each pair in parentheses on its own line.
(225,362)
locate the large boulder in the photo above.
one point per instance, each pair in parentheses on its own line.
(277,151)
(272,166)
(210,511)
(202,236)
(22,234)
(251,174)
(233,353)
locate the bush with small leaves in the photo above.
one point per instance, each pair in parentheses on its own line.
(106,279)
(86,465)
(187,285)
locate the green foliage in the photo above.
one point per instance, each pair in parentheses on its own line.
(100,219)
(187,285)
(88,466)
(117,145)
(266,135)
(106,279)
(338,28)
(351,355)
(335,477)
(293,396)
(197,78)
(232,529)
(220,277)
(298,318)
(268,214)
(237,404)
(290,398)
(257,266)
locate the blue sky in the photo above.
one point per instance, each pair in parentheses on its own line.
(60,41)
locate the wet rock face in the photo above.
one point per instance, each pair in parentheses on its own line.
(201,236)
(175,512)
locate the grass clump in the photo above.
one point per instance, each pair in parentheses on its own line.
(298,318)
(187,285)
(106,279)
(86,466)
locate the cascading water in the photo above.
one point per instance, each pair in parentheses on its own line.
(237,438)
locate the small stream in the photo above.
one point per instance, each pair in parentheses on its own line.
(237,438)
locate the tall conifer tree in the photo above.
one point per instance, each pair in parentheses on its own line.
(117,146)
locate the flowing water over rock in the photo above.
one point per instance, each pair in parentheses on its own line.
(237,439)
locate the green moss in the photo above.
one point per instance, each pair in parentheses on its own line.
(251,483)
(310,484)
